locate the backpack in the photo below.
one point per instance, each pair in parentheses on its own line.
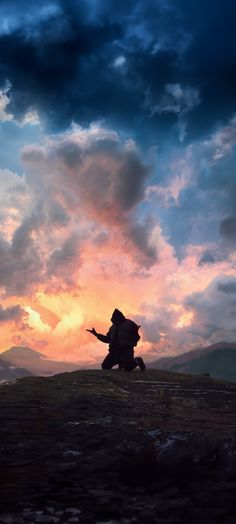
(128,334)
(136,333)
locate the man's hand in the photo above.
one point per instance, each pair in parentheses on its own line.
(93,331)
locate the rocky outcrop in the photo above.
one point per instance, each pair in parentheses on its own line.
(118,447)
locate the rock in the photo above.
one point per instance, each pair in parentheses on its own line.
(118,447)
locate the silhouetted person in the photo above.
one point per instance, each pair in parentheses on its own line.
(121,337)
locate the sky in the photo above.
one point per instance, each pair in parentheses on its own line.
(117,173)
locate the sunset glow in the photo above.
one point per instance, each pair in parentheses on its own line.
(34,320)
(185,320)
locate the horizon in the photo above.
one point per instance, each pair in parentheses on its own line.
(117,159)
(91,365)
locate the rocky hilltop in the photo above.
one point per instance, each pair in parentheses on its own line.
(116,447)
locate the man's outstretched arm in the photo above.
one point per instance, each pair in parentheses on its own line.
(102,338)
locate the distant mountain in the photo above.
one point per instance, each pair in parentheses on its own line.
(22,353)
(9,371)
(219,360)
(35,362)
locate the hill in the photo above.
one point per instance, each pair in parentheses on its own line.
(112,446)
(9,372)
(219,360)
(36,362)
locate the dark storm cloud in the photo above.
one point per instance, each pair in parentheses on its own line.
(207,258)
(22,260)
(140,235)
(10,313)
(228,287)
(210,59)
(129,187)
(20,265)
(45,63)
(213,257)
(62,261)
(150,329)
(228,230)
(214,308)
(88,60)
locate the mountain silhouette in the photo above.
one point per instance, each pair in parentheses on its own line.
(35,362)
(9,371)
(219,360)
(22,353)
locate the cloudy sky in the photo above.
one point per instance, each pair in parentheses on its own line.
(117,173)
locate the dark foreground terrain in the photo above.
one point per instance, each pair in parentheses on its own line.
(118,448)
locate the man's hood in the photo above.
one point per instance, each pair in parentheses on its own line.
(117,316)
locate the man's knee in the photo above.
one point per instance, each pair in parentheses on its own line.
(107,363)
(105,366)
